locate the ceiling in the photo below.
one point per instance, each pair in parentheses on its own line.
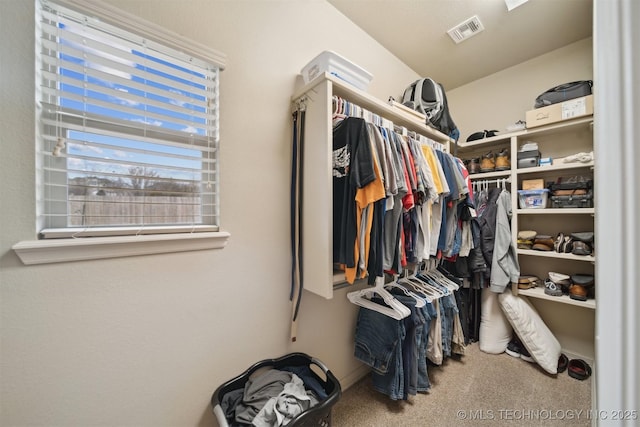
(416,32)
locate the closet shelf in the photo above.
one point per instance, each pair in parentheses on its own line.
(585,121)
(316,225)
(397,115)
(522,134)
(564,299)
(556,211)
(554,168)
(494,141)
(551,254)
(485,175)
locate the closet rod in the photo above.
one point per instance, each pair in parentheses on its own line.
(360,112)
(396,128)
(492,181)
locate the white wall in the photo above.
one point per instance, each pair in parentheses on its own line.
(501,99)
(145,340)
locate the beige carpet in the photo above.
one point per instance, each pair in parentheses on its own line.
(476,389)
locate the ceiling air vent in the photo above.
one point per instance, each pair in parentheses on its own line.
(466,29)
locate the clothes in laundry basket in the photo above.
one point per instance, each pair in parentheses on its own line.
(280,410)
(272,399)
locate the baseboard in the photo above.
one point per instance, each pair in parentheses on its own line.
(572,355)
(354,376)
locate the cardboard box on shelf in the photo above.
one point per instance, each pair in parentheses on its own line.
(533,184)
(566,110)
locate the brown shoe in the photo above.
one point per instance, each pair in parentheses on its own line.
(577,292)
(488,163)
(474,165)
(545,240)
(528,282)
(502,160)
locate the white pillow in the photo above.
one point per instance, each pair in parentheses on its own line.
(534,334)
(495,329)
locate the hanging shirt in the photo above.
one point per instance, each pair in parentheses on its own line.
(352,169)
(365,199)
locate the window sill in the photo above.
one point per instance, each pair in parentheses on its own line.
(34,252)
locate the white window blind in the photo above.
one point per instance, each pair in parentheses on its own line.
(128,130)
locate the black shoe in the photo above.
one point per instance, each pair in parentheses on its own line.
(515,348)
(525,355)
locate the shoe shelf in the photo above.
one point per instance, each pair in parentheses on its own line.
(486,175)
(538,292)
(556,141)
(558,255)
(581,122)
(554,168)
(556,211)
(485,143)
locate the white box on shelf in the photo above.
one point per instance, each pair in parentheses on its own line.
(336,65)
(566,110)
(533,199)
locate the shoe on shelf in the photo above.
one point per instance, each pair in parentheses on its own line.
(526,239)
(578,292)
(551,288)
(474,165)
(519,125)
(558,243)
(527,235)
(527,281)
(581,248)
(559,278)
(502,160)
(488,163)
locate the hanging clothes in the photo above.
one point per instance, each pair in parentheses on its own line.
(421,187)
(352,169)
(397,348)
(505,268)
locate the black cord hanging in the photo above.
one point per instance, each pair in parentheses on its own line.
(297,152)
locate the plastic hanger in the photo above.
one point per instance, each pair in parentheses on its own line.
(432,285)
(397,285)
(395,309)
(428,290)
(449,279)
(442,279)
(426,287)
(435,280)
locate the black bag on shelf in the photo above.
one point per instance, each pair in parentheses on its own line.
(564,92)
(573,201)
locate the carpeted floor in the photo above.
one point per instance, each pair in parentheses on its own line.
(475,389)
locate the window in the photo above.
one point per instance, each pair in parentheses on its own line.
(128,126)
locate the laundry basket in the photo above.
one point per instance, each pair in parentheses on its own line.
(318,415)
